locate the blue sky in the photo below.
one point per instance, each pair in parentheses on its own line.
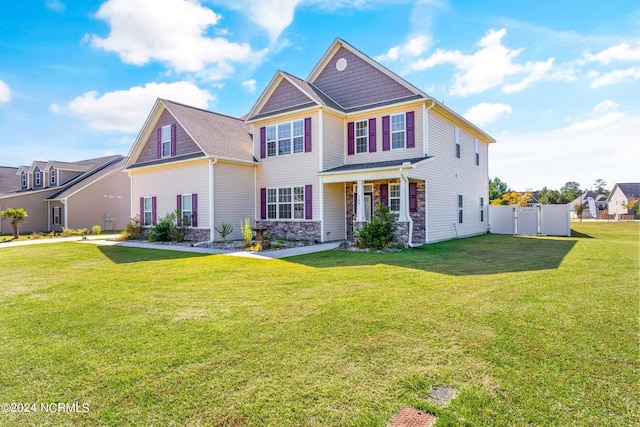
(556,83)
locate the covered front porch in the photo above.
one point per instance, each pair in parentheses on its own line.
(387,183)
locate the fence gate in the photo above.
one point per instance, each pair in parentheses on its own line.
(551,220)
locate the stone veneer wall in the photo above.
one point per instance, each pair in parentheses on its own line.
(291,230)
(402,232)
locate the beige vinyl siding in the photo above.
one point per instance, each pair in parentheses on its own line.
(234,196)
(35,205)
(110,194)
(166,182)
(334,212)
(290,170)
(616,200)
(447,176)
(380,155)
(333,147)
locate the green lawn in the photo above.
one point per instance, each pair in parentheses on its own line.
(532,331)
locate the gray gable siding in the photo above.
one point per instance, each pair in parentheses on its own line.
(184,143)
(284,96)
(359,84)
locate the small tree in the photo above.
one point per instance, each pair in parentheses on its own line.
(631,206)
(247,232)
(224,230)
(15,216)
(578,208)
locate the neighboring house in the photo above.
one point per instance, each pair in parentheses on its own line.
(194,161)
(313,157)
(599,199)
(71,195)
(621,195)
(8,179)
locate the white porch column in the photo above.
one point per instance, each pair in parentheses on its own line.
(360,216)
(404,199)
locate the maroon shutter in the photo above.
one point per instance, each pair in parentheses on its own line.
(142,210)
(351,146)
(308,202)
(153,210)
(263,142)
(194,210)
(411,133)
(413,197)
(307,135)
(173,140)
(179,205)
(384,194)
(263,203)
(386,134)
(372,136)
(159,142)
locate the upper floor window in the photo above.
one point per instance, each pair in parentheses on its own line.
(23,180)
(481,209)
(398,134)
(166,141)
(285,138)
(477,152)
(362,140)
(457,132)
(460,216)
(52,176)
(37,178)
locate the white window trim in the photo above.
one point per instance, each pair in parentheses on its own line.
(292,203)
(458,148)
(53,176)
(183,210)
(404,130)
(460,209)
(291,138)
(56,215)
(164,141)
(395,183)
(37,178)
(364,137)
(24,180)
(150,211)
(477,152)
(482,209)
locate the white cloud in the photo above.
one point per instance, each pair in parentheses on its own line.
(622,52)
(249,85)
(5,92)
(126,110)
(55,109)
(606,105)
(490,66)
(485,113)
(415,45)
(55,6)
(274,16)
(613,77)
(602,147)
(173,32)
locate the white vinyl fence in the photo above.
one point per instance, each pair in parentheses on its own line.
(546,220)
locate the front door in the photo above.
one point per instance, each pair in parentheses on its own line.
(368,205)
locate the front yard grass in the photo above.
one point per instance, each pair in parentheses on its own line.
(531,331)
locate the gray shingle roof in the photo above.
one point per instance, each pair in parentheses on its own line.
(375,165)
(218,134)
(100,169)
(9,180)
(630,189)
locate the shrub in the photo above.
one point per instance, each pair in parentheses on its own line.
(247,233)
(133,229)
(70,232)
(165,229)
(224,230)
(379,232)
(96,229)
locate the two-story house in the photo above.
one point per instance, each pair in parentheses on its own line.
(313,157)
(71,195)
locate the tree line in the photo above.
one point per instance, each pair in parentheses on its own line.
(501,194)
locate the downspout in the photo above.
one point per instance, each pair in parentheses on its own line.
(66,216)
(49,215)
(404,178)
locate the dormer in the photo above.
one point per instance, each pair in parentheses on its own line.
(23,172)
(37,172)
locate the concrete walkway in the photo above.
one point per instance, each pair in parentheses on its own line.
(102,240)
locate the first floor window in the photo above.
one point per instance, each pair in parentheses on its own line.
(148,211)
(459,208)
(187,210)
(285,203)
(397,131)
(481,209)
(56,215)
(394,197)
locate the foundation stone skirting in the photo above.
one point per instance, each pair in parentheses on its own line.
(291,230)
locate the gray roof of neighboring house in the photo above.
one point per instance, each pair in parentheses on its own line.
(219,135)
(9,181)
(70,166)
(630,189)
(375,165)
(113,163)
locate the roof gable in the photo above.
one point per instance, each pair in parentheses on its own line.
(631,190)
(285,95)
(353,80)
